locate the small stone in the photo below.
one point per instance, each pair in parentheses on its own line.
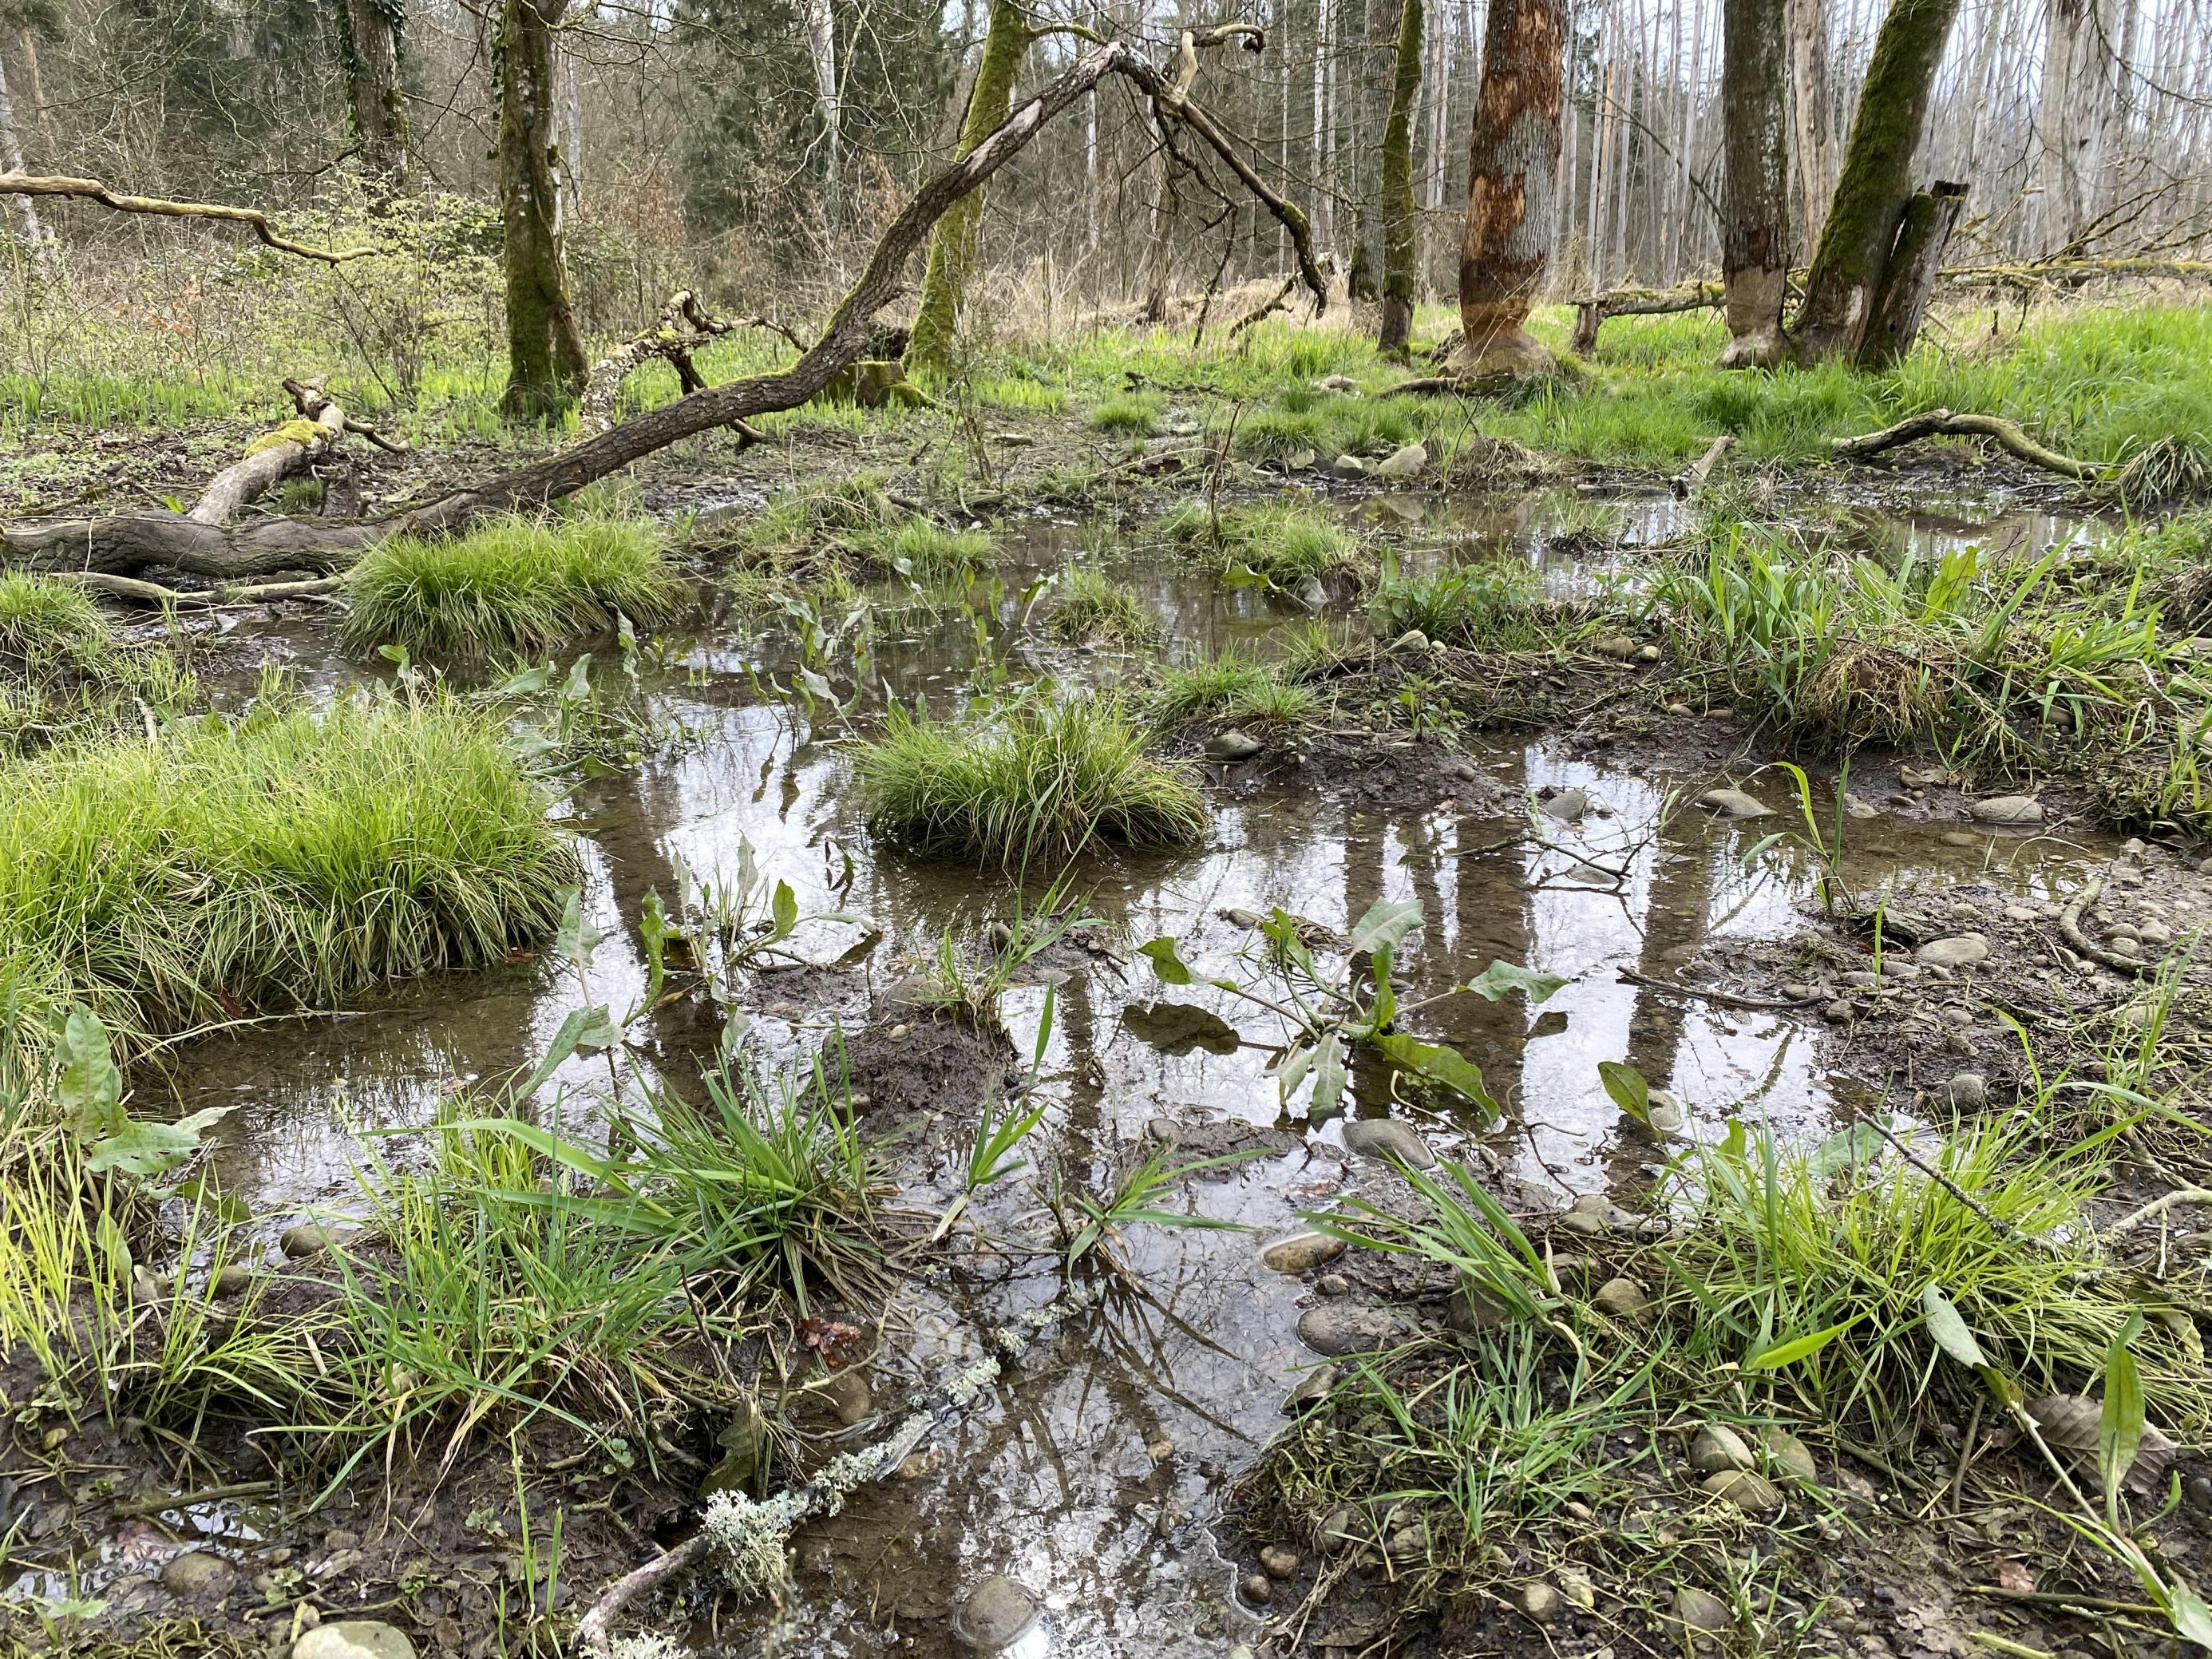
(1540,1601)
(1960,838)
(1754,1494)
(1567,806)
(1256,1588)
(1411,643)
(1386,1137)
(1339,1329)
(1701,1612)
(2020,913)
(1466,771)
(1838,1012)
(1855,807)
(1333,1285)
(1789,1455)
(1734,803)
(1407,463)
(1680,710)
(1619,646)
(1279,1561)
(1647,653)
(2156,934)
(1301,1252)
(1967,1091)
(1717,1448)
(354,1639)
(1798,991)
(1231,746)
(900,1032)
(1961,950)
(1343,383)
(1312,1389)
(197,1572)
(1340,1531)
(310,1238)
(1577,1587)
(994,1614)
(234,1279)
(1349,466)
(2009,810)
(1622,1298)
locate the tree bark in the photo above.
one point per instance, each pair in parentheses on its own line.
(1810,113)
(28,228)
(1513,156)
(1374,98)
(370,45)
(1877,179)
(822,47)
(1914,264)
(952,245)
(544,349)
(2074,123)
(1160,224)
(1401,219)
(1755,192)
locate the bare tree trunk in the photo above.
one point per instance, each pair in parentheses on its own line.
(28,228)
(1401,220)
(2074,125)
(1511,160)
(27,39)
(1810,114)
(952,245)
(1755,194)
(1373,94)
(821,45)
(545,349)
(1159,228)
(1914,263)
(370,45)
(1876,180)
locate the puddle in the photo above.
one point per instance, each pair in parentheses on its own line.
(1093,1477)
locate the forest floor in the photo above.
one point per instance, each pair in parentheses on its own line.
(1756,1262)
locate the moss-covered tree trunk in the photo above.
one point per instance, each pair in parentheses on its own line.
(952,245)
(1400,220)
(546,365)
(1876,183)
(1512,168)
(370,47)
(1755,192)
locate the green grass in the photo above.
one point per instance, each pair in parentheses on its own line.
(1280,542)
(63,673)
(921,551)
(1491,606)
(1128,415)
(286,859)
(1029,779)
(1234,685)
(1086,605)
(46,622)
(515,586)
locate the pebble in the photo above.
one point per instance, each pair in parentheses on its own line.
(1256,1588)
(312,1237)
(1333,1285)
(1754,1494)
(1789,1454)
(1340,1531)
(1312,1389)
(994,1614)
(1231,746)
(1407,463)
(1540,1601)
(2011,810)
(1702,1611)
(1961,950)
(1386,1137)
(1567,806)
(1734,803)
(1339,1329)
(354,1639)
(2020,913)
(197,1572)
(1838,1012)
(1279,1561)
(1349,466)
(1577,1588)
(1623,1298)
(1301,1252)
(1968,1091)
(1960,838)
(234,1280)
(2157,933)
(1682,710)
(1717,1448)
(1856,808)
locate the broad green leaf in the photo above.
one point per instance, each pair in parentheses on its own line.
(1625,1084)
(1329,1077)
(2120,1431)
(817,686)
(1291,1068)
(1387,922)
(653,928)
(575,939)
(91,1086)
(529,682)
(2192,1618)
(1948,1327)
(1386,993)
(783,911)
(1860,1143)
(151,1149)
(1502,979)
(1736,1143)
(1439,1064)
(599,1029)
(1165,963)
(1774,1357)
(563,1045)
(578,686)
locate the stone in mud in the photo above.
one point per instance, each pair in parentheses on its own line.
(1339,1329)
(354,1639)
(1349,466)
(1231,746)
(1680,710)
(1312,1389)
(1702,1612)
(1386,1137)
(1734,803)
(1619,646)
(1960,838)
(1340,1531)
(1279,1561)
(1622,1298)
(310,1238)
(1343,383)
(1647,653)
(994,1614)
(235,1279)
(1256,1588)
(1567,806)
(1789,1454)
(1301,1252)
(1969,1091)
(1717,1448)
(197,1572)
(1960,951)
(1333,1285)
(1407,463)
(1313,595)
(1577,1587)
(1594,1213)
(1855,807)
(1411,643)
(2009,810)
(1754,1494)
(1539,1601)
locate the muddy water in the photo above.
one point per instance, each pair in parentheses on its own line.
(1093,1477)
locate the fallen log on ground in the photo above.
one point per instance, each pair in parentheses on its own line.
(1942,423)
(126,544)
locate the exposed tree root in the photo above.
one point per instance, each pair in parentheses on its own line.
(91,190)
(2069,929)
(1942,423)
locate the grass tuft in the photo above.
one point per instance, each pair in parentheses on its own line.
(1087,604)
(1282,542)
(1234,685)
(1491,607)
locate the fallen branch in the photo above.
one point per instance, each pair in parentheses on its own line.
(1280,299)
(2069,929)
(1688,482)
(2156,1208)
(91,190)
(1941,422)
(274,456)
(1593,309)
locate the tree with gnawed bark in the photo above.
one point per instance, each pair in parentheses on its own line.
(952,245)
(1756,191)
(545,358)
(1400,220)
(369,43)
(1876,181)
(1513,164)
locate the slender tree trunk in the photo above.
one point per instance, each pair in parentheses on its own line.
(1755,194)
(371,47)
(1909,281)
(1876,180)
(1810,114)
(1511,159)
(2073,126)
(1375,104)
(1159,230)
(546,351)
(35,83)
(28,228)
(822,47)
(1401,219)
(952,244)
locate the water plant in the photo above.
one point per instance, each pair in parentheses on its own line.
(1280,544)
(1488,606)
(1235,685)
(1085,604)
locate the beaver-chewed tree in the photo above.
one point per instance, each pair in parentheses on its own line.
(1513,162)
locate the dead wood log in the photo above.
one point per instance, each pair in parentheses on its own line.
(1942,423)
(125,545)
(273,456)
(1908,282)
(1638,302)
(1689,481)
(91,190)
(684,326)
